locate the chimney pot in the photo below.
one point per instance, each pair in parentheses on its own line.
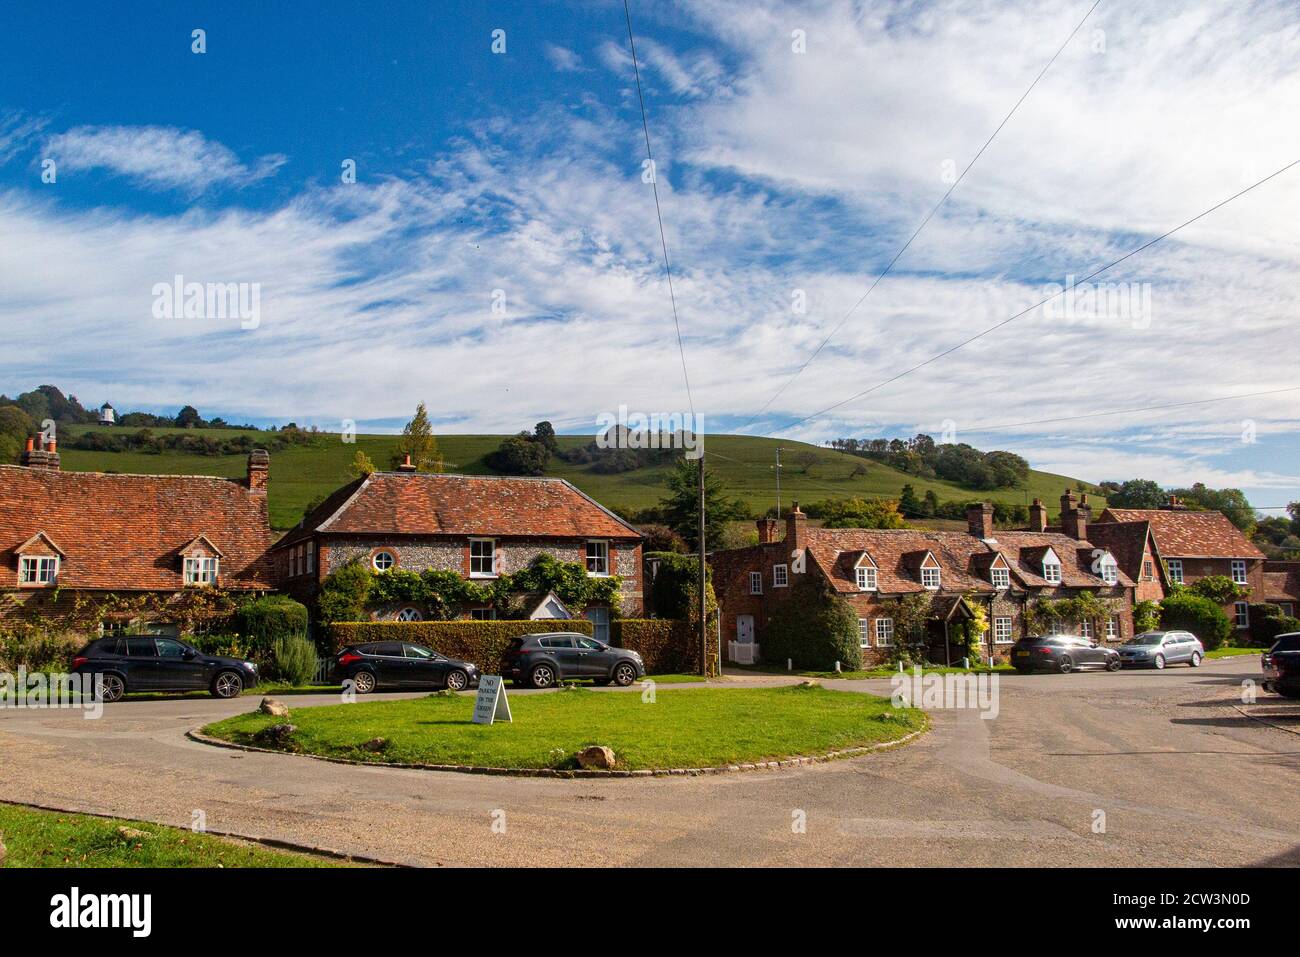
(979,520)
(406,465)
(259,470)
(31,443)
(1038,516)
(796,528)
(766,531)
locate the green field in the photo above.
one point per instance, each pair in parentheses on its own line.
(302,474)
(681,728)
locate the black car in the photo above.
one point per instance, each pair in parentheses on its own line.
(399,664)
(1282,666)
(539,661)
(152,663)
(1063,653)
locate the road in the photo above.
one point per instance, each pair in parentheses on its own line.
(1181,776)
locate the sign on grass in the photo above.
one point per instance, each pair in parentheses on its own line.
(491,704)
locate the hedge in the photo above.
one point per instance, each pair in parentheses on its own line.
(264,621)
(667,646)
(479,642)
(1267,622)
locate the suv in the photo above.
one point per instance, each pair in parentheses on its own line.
(539,661)
(1282,666)
(1160,648)
(150,663)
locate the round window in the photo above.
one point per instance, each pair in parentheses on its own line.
(409,614)
(383,561)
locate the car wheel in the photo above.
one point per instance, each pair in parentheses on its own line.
(113,688)
(1112,664)
(543,676)
(624,675)
(363,682)
(1065,665)
(1159,662)
(1196,659)
(227,685)
(457,680)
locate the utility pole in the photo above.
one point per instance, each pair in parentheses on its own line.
(704,618)
(779,450)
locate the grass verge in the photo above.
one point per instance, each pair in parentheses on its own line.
(886,672)
(1233,652)
(682,728)
(36,838)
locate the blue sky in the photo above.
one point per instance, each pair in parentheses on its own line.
(788,180)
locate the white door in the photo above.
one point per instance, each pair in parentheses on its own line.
(599,618)
(745,629)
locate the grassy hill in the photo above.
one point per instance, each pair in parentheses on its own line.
(302,474)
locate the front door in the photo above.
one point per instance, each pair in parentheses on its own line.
(745,629)
(599,618)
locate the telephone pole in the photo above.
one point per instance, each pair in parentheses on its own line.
(779,450)
(703,582)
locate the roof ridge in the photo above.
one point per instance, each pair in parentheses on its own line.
(150,475)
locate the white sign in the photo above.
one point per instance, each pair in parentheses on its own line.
(491,704)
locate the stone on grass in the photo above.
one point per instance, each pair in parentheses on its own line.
(277,735)
(809,683)
(132,833)
(597,757)
(277,709)
(375,745)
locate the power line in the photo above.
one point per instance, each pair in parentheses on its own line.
(654,185)
(898,255)
(993,328)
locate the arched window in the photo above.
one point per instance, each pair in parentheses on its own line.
(409,614)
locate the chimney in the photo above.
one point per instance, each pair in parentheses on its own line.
(34,455)
(796,528)
(406,466)
(259,470)
(979,520)
(52,454)
(766,531)
(1038,516)
(1175,504)
(1074,518)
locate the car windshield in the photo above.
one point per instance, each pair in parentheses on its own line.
(1146,640)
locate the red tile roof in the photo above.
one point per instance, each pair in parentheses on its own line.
(1282,581)
(1025,551)
(421,503)
(1127,541)
(127,531)
(1187,534)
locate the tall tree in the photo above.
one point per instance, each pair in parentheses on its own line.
(1137,493)
(418,442)
(681,506)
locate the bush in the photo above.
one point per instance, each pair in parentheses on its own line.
(1219,589)
(1267,622)
(674,587)
(38,649)
(295,659)
(1146,616)
(268,620)
(815,628)
(479,642)
(1199,615)
(344,594)
(666,646)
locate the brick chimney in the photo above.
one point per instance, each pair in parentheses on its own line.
(1175,504)
(40,454)
(979,520)
(766,530)
(1038,516)
(406,466)
(1074,520)
(796,528)
(259,470)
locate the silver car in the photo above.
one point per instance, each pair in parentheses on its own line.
(1159,648)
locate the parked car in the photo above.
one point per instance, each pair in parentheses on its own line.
(1282,666)
(399,664)
(1156,649)
(539,661)
(151,663)
(1063,653)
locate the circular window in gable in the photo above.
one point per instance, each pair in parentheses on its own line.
(409,614)
(383,561)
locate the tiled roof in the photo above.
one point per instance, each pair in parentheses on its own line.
(421,503)
(127,531)
(1024,551)
(1188,534)
(1125,540)
(1282,581)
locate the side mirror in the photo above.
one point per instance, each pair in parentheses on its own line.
(190,654)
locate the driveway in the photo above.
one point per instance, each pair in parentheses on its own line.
(1181,776)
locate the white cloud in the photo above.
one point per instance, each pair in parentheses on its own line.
(562,58)
(18,131)
(159,156)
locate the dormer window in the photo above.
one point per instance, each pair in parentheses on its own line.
(1108,570)
(866,576)
(1052,570)
(201,570)
(1001,578)
(930,576)
(37,570)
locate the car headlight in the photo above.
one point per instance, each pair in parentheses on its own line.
(250,666)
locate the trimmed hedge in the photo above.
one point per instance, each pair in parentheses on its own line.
(667,646)
(479,642)
(265,621)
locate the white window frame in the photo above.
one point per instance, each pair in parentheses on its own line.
(1239,571)
(1175,566)
(1085,628)
(929,572)
(201,570)
(38,570)
(866,578)
(1148,570)
(1112,626)
(1002,631)
(864,632)
(1109,571)
(756,583)
(1241,612)
(1001,577)
(884,632)
(1052,572)
(409,613)
(780,576)
(392,559)
(600,560)
(492,551)
(1056,627)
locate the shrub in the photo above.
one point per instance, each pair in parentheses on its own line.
(815,628)
(674,590)
(294,659)
(1267,622)
(1146,616)
(265,621)
(479,642)
(1199,615)
(38,649)
(1219,589)
(345,594)
(666,646)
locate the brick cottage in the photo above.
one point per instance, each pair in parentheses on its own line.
(1003,571)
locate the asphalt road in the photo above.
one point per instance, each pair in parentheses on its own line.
(1181,775)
